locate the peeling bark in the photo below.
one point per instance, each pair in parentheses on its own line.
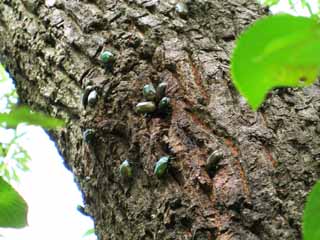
(266,161)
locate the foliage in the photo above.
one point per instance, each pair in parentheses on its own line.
(13,157)
(281,51)
(311,226)
(270,2)
(89,232)
(276,51)
(13,208)
(24,115)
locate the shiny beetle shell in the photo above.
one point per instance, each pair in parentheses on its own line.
(145,107)
(149,92)
(85,96)
(164,103)
(161,166)
(125,169)
(88,135)
(161,90)
(92,98)
(106,57)
(214,159)
(182,9)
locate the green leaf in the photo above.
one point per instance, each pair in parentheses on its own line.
(311,215)
(24,115)
(270,2)
(13,208)
(89,232)
(276,51)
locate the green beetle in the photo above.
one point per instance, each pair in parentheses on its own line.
(161,166)
(106,57)
(149,92)
(85,95)
(92,98)
(145,107)
(164,104)
(213,160)
(88,135)
(125,169)
(161,90)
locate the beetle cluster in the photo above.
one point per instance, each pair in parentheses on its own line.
(156,99)
(160,169)
(90,95)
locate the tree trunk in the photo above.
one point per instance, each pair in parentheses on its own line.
(262,164)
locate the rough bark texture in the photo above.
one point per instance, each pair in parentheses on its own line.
(270,159)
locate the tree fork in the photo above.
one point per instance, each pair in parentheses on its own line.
(261,165)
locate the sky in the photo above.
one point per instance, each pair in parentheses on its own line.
(49,188)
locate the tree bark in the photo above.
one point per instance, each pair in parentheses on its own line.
(264,163)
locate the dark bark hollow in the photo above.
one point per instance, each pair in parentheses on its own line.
(263,163)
